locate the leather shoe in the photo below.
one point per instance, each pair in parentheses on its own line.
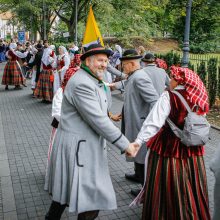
(132,177)
(135,192)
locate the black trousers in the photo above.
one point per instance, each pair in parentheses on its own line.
(56,210)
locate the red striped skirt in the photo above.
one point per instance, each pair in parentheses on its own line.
(12,74)
(175,189)
(44,89)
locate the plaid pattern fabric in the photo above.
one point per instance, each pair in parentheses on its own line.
(75,61)
(44,89)
(175,189)
(194,87)
(12,74)
(67,76)
(161,64)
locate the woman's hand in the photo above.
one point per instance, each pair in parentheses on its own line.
(132,149)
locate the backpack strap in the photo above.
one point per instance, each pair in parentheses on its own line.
(182,100)
(178,132)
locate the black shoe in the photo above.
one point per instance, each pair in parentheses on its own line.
(6,87)
(132,177)
(17,88)
(135,192)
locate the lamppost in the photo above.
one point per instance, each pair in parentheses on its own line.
(44,20)
(76,20)
(185,59)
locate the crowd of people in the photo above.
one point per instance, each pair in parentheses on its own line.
(79,86)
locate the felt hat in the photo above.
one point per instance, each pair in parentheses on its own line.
(130,54)
(94,49)
(149,57)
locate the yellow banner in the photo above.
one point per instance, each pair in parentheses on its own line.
(92,33)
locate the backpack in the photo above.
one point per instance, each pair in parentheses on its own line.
(196,128)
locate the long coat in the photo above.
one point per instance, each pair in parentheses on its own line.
(158,76)
(139,97)
(78,173)
(215,167)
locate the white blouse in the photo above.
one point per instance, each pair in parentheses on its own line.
(156,118)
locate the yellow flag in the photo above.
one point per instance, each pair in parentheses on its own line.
(92,33)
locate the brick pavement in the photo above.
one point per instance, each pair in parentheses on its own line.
(24,135)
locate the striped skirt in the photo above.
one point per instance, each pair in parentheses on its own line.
(44,89)
(175,189)
(12,74)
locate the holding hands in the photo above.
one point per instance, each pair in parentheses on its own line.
(132,149)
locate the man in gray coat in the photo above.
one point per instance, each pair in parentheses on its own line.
(139,97)
(158,76)
(78,174)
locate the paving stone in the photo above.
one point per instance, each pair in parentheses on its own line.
(26,131)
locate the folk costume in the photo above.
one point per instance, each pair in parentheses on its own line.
(12,72)
(44,88)
(63,62)
(175,185)
(78,175)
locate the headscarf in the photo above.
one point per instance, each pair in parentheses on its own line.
(161,63)
(194,86)
(74,66)
(52,47)
(75,61)
(63,49)
(117,54)
(119,49)
(45,58)
(12,46)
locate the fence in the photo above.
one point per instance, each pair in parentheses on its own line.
(209,71)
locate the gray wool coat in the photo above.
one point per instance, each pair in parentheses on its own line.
(139,98)
(78,173)
(215,167)
(158,76)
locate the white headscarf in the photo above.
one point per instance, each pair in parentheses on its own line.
(12,46)
(46,55)
(52,47)
(119,49)
(63,49)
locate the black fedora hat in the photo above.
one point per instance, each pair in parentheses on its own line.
(130,54)
(95,49)
(149,57)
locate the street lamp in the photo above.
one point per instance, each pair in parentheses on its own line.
(44,20)
(76,20)
(185,59)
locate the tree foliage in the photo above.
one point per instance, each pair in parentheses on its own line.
(152,18)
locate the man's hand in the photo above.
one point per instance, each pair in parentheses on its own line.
(132,149)
(115,117)
(112,86)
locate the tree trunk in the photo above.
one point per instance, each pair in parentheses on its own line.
(71,29)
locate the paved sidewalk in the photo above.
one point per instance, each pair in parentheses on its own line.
(24,136)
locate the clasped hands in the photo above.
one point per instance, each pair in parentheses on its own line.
(132,149)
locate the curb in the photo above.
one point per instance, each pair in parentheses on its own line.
(215,127)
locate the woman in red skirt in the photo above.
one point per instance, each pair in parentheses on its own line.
(12,72)
(175,186)
(44,88)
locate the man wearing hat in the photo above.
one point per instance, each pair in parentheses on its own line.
(158,76)
(140,96)
(78,174)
